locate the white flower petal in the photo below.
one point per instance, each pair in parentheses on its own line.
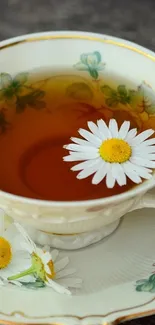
(47,269)
(2,228)
(71,283)
(118,174)
(101,173)
(87,164)
(123,131)
(79,148)
(27,247)
(46,248)
(60,265)
(94,129)
(46,257)
(54,254)
(110,180)
(130,135)
(57,287)
(17,283)
(63,273)
(83,142)
(148,156)
(90,137)
(113,127)
(142,162)
(148,142)
(143,149)
(17,242)
(25,235)
(105,132)
(91,170)
(141,171)
(141,137)
(77,156)
(11,233)
(131,174)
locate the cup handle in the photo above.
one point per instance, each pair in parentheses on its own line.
(146,201)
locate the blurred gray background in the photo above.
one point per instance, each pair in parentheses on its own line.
(130,19)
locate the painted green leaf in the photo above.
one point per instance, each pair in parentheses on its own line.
(3,123)
(122,90)
(5,80)
(80,91)
(93,73)
(31,99)
(150,110)
(112,102)
(83,58)
(153,290)
(107,90)
(152,278)
(38,94)
(139,288)
(147,287)
(98,56)
(34,285)
(132,93)
(21,77)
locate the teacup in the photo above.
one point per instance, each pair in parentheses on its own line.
(72,225)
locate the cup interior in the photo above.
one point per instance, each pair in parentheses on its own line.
(44,76)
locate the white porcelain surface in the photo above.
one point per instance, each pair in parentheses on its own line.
(71,242)
(109,271)
(62,50)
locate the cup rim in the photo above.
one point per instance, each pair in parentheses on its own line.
(49,35)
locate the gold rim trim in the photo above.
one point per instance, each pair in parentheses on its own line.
(63,235)
(115,322)
(82,37)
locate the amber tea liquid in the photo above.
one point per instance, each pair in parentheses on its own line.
(35,125)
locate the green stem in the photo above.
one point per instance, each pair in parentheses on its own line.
(20,275)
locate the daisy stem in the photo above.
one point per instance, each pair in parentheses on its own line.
(22,274)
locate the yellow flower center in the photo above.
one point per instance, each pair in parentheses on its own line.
(115,151)
(5,253)
(51,267)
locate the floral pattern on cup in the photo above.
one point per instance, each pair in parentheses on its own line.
(17,93)
(92,63)
(15,90)
(121,95)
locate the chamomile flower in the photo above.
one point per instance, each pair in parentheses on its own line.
(112,153)
(45,267)
(13,259)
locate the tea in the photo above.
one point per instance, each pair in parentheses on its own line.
(38,116)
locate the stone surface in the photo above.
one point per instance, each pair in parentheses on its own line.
(133,20)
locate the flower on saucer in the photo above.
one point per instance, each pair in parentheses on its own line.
(112,153)
(44,267)
(13,259)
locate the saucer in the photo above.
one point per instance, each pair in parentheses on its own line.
(118,281)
